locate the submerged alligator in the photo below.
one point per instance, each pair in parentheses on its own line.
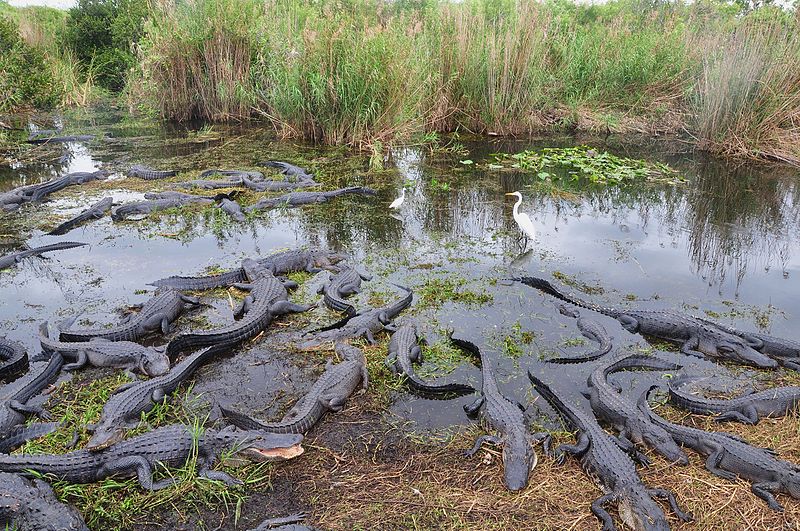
(601,456)
(294,199)
(13,359)
(38,139)
(505,418)
(96,211)
(633,426)
(404,351)
(343,284)
(158,201)
(329,393)
(149,174)
(71,179)
(696,337)
(97,352)
(154,315)
(9,260)
(31,505)
(590,329)
(309,260)
(728,456)
(14,397)
(173,446)
(748,409)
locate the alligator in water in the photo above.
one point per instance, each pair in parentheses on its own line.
(159,201)
(9,260)
(31,505)
(277,186)
(123,410)
(404,351)
(329,393)
(173,446)
(13,359)
(310,260)
(289,170)
(785,351)
(14,397)
(696,337)
(500,415)
(294,199)
(343,284)
(729,456)
(149,174)
(150,361)
(590,329)
(38,139)
(267,298)
(155,315)
(70,179)
(232,208)
(96,211)
(748,409)
(633,427)
(362,325)
(602,458)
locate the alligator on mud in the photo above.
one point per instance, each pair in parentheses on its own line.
(234,174)
(9,260)
(329,393)
(590,329)
(14,397)
(505,418)
(96,211)
(232,209)
(31,505)
(728,456)
(289,170)
(71,179)
(601,456)
(149,174)
(294,199)
(173,446)
(343,284)
(696,337)
(205,184)
(13,359)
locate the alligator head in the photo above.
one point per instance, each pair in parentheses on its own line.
(328,260)
(518,461)
(736,349)
(260,446)
(790,480)
(155,362)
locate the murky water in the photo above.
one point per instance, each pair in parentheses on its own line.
(725,242)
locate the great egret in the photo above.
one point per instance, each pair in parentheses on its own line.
(399,201)
(523,220)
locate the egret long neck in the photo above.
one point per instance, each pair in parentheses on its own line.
(516,207)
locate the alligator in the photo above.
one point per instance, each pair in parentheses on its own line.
(285,523)
(329,393)
(14,396)
(70,179)
(96,211)
(590,329)
(237,174)
(149,174)
(505,418)
(13,199)
(59,139)
(633,427)
(310,260)
(345,283)
(294,199)
(785,351)
(603,459)
(150,361)
(729,456)
(404,351)
(9,260)
(276,186)
(748,409)
(13,359)
(212,185)
(19,435)
(267,298)
(123,410)
(139,208)
(173,446)
(696,337)
(364,324)
(31,505)
(289,170)
(154,315)
(232,208)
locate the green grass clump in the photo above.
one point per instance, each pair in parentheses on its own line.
(436,291)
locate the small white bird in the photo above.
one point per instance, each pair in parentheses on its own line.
(523,220)
(399,201)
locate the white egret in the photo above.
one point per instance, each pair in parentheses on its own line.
(399,201)
(523,220)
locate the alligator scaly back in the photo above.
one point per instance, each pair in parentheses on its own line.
(543,285)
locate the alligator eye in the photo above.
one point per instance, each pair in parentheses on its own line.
(725,348)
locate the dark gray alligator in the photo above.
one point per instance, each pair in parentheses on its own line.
(293,199)
(289,170)
(633,427)
(31,505)
(123,409)
(38,139)
(9,260)
(285,523)
(329,393)
(234,174)
(172,446)
(729,456)
(267,298)
(500,415)
(362,325)
(601,457)
(96,211)
(343,284)
(310,260)
(70,179)
(12,199)
(19,435)
(232,208)
(277,186)
(14,396)
(150,361)
(13,359)
(748,409)
(696,337)
(591,330)
(785,351)
(149,174)
(205,184)
(404,351)
(154,315)
(154,204)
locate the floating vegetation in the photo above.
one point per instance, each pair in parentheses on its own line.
(573,282)
(436,291)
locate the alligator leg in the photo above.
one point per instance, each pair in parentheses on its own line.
(602,514)
(788,364)
(19,407)
(575,450)
(134,463)
(690,347)
(219,475)
(748,416)
(415,354)
(157,321)
(472,409)
(190,300)
(762,490)
(712,464)
(364,377)
(628,323)
(81,361)
(282,307)
(673,503)
(243,307)
(629,448)
(158,395)
(479,442)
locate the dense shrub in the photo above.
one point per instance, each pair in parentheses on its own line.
(25,78)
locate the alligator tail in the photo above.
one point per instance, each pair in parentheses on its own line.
(60,246)
(637,361)
(564,411)
(240,420)
(644,405)
(543,285)
(22,434)
(425,388)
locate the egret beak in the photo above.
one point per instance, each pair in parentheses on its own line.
(510,193)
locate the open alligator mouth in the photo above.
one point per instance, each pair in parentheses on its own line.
(274,454)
